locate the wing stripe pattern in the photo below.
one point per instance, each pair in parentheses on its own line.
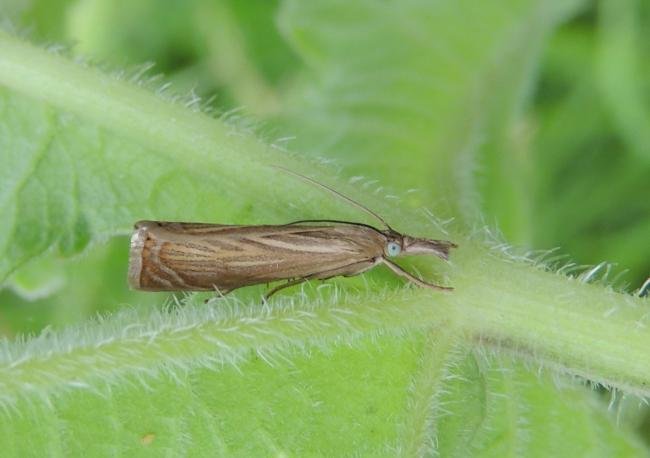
(204,257)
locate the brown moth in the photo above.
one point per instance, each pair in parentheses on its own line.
(174,256)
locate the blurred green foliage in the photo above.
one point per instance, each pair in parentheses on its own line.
(562,161)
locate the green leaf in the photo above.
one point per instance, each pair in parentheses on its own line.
(619,73)
(226,47)
(289,378)
(376,371)
(54,291)
(241,402)
(108,155)
(499,408)
(411,90)
(580,144)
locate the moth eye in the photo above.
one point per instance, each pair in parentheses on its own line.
(393,248)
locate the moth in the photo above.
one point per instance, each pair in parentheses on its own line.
(176,256)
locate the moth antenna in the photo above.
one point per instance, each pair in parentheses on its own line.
(336,193)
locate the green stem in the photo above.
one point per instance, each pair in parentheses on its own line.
(583,329)
(426,388)
(577,328)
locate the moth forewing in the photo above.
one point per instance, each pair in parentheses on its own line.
(167,256)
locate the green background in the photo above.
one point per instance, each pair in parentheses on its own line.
(522,123)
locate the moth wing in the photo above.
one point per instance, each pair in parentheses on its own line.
(306,248)
(200,257)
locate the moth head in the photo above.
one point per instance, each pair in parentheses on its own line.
(407,245)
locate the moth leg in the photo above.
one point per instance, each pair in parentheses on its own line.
(347,271)
(219,292)
(296,281)
(403,273)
